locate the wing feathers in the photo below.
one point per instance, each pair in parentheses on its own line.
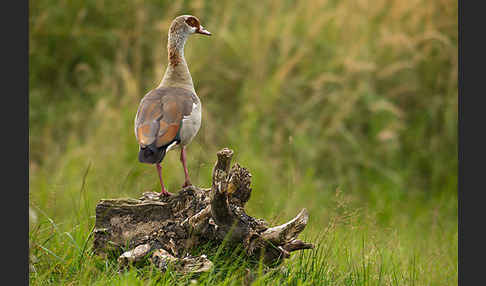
(159,116)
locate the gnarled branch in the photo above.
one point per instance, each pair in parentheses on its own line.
(166,229)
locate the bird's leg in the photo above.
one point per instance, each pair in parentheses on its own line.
(164,191)
(187,181)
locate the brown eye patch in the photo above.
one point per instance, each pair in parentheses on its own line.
(193,22)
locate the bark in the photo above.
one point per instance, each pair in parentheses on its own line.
(163,230)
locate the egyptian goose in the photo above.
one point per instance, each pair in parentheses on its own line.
(169,116)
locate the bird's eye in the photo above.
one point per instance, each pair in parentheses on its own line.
(193,22)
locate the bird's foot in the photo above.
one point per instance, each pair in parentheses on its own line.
(165,193)
(187,183)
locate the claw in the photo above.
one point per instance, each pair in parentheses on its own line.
(165,193)
(186,184)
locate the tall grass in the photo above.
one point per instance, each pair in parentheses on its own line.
(351,250)
(347,108)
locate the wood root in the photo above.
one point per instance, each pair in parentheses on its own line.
(164,230)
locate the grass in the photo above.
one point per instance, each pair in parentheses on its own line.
(352,249)
(347,108)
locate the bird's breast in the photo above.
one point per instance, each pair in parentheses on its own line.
(191,124)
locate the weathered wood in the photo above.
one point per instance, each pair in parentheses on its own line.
(286,232)
(166,228)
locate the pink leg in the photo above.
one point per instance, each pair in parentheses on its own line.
(164,191)
(187,181)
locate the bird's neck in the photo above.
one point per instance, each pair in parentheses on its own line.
(177,73)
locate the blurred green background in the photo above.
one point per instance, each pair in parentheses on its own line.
(347,108)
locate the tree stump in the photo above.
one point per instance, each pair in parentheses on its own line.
(163,230)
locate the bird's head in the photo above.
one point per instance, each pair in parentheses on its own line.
(187,25)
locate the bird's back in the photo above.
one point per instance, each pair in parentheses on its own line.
(161,116)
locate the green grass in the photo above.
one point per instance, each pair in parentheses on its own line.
(352,249)
(346,108)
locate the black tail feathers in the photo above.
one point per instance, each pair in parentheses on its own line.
(151,154)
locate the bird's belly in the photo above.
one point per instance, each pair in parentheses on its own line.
(190,126)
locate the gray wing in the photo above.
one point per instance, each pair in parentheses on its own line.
(160,113)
